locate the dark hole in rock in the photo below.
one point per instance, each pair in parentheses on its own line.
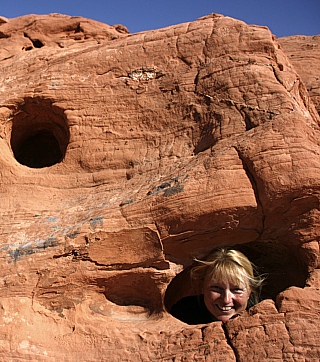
(4,35)
(78,29)
(40,134)
(37,43)
(39,150)
(281,265)
(133,289)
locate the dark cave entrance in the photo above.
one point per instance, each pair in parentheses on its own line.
(40,133)
(281,264)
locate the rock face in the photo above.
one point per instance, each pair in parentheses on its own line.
(123,157)
(304,54)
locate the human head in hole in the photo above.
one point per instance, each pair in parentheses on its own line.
(227,285)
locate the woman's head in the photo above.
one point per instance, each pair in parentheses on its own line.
(227,281)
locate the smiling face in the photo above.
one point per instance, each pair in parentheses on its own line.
(225,299)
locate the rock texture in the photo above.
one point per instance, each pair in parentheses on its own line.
(123,157)
(304,54)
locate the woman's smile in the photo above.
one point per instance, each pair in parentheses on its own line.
(224,300)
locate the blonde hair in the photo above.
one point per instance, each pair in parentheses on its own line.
(228,264)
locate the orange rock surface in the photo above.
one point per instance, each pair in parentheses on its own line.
(125,156)
(304,54)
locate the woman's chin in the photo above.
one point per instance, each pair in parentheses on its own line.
(224,319)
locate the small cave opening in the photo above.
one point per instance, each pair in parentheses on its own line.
(35,42)
(40,133)
(280,265)
(133,289)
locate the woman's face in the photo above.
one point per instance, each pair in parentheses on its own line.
(225,299)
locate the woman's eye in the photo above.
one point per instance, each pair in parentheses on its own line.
(215,288)
(237,290)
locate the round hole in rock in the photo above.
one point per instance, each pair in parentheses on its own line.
(40,133)
(281,265)
(139,289)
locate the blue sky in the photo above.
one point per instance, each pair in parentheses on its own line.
(283,17)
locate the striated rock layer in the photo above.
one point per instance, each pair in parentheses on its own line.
(304,54)
(123,157)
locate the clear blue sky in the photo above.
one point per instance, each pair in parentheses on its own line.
(283,17)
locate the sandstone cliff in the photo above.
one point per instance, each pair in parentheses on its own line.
(123,157)
(304,54)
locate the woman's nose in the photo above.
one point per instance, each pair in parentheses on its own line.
(227,296)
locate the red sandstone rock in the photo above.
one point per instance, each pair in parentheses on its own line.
(304,54)
(123,157)
(58,31)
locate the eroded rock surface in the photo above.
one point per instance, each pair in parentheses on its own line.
(304,54)
(123,157)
